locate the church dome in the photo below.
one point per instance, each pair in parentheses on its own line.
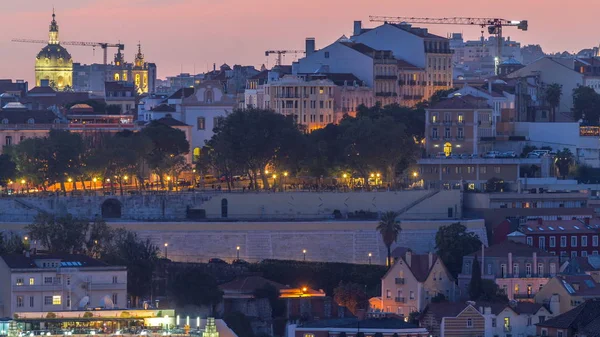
(54,52)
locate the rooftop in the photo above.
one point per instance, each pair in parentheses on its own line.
(170,121)
(20,261)
(579,285)
(561,226)
(23,116)
(461,102)
(370,323)
(516,248)
(185,92)
(583,317)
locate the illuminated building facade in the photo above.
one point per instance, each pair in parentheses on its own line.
(53,64)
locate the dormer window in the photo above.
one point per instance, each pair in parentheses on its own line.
(31,121)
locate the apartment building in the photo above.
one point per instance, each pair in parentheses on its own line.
(564,238)
(49,283)
(518,269)
(309,101)
(412,81)
(413,281)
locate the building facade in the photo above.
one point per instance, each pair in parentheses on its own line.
(453,320)
(566,292)
(564,238)
(518,269)
(39,283)
(53,64)
(413,281)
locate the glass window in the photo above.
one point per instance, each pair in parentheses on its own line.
(530,241)
(56,300)
(47,300)
(19,281)
(201,123)
(31,281)
(114,280)
(553,241)
(47,280)
(584,240)
(31,301)
(469,323)
(20,301)
(573,241)
(563,241)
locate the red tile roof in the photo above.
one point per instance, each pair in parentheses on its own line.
(461,102)
(558,227)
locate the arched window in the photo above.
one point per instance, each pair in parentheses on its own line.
(117,77)
(448,149)
(31,121)
(224,206)
(196,153)
(5,121)
(209,96)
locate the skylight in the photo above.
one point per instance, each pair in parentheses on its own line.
(590,284)
(529,229)
(568,287)
(561,228)
(551,228)
(576,227)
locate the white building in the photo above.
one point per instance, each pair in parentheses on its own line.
(495,100)
(49,283)
(515,319)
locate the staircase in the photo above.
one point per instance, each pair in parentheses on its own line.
(418,201)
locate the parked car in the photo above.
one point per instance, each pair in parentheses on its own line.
(491,154)
(473,156)
(533,155)
(209,179)
(216,260)
(464,156)
(454,156)
(541,153)
(240,262)
(509,154)
(440,155)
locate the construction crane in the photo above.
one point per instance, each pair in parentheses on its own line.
(103,45)
(280,53)
(494,25)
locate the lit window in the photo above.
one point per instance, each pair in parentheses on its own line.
(56,300)
(31,281)
(19,281)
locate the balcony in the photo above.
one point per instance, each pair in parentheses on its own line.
(435,121)
(386,77)
(413,97)
(399,299)
(459,122)
(286,95)
(460,137)
(399,280)
(522,296)
(386,94)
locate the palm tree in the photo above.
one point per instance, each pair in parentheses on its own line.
(389,228)
(563,161)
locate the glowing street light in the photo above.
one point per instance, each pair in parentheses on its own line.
(344,176)
(166,250)
(304,253)
(238,252)
(285,174)
(370,257)
(125,178)
(70,180)
(274,176)
(415,174)
(22,181)
(266,171)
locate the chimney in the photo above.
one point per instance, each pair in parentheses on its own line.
(408,257)
(309,46)
(540,221)
(357,27)
(214,67)
(430,260)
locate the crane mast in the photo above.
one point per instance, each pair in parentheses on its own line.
(494,25)
(103,45)
(280,53)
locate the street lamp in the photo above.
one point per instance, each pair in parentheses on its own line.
(166,247)
(370,257)
(304,253)
(285,174)
(415,174)
(238,252)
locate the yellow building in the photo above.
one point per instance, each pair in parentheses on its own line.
(140,72)
(53,63)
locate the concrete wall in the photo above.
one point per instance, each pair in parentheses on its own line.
(419,204)
(334,241)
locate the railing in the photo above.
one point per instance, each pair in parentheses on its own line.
(399,280)
(401,82)
(522,296)
(460,138)
(435,137)
(400,299)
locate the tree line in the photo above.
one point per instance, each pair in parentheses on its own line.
(65,157)
(379,139)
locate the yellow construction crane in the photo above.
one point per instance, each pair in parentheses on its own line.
(494,25)
(282,52)
(103,45)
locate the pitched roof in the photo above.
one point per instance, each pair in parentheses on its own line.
(21,116)
(578,318)
(462,102)
(516,248)
(407,65)
(247,284)
(170,121)
(559,226)
(163,108)
(445,309)
(41,90)
(420,32)
(419,263)
(526,308)
(340,78)
(579,285)
(185,92)
(20,261)
(370,323)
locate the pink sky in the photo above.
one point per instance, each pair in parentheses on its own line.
(183,34)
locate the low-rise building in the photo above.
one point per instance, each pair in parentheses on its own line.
(413,281)
(448,319)
(48,283)
(589,265)
(565,292)
(350,327)
(565,238)
(515,319)
(580,321)
(517,268)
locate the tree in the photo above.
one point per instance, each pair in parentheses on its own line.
(239,323)
(553,93)
(255,138)
(586,174)
(491,292)
(452,243)
(99,238)
(475,284)
(11,243)
(192,286)
(8,169)
(140,258)
(269,292)
(167,144)
(63,156)
(389,229)
(352,296)
(59,234)
(586,105)
(563,161)
(31,159)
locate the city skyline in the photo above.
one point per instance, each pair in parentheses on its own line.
(189,36)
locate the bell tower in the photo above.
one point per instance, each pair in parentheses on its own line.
(53,31)
(140,72)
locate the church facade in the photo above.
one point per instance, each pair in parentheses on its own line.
(53,64)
